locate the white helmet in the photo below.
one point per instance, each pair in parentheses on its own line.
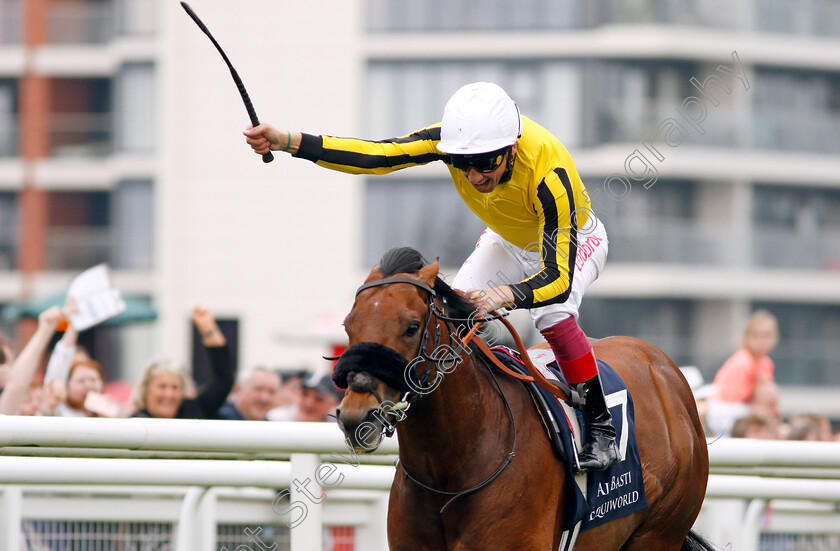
(479,118)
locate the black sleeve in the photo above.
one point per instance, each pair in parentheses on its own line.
(356,156)
(212,395)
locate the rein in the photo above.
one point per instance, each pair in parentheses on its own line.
(508,458)
(536,375)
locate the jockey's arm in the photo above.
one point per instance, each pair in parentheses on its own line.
(351,155)
(552,283)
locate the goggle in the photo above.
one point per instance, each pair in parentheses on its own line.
(484,162)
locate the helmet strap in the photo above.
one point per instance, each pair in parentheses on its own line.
(509,168)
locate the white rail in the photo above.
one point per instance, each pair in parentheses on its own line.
(738,452)
(176,435)
(207,455)
(191,472)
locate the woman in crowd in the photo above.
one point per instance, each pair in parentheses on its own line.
(84,377)
(160,392)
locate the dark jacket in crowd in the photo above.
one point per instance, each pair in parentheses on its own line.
(212,395)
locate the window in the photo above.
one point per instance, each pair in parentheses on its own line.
(134,108)
(660,224)
(136,17)
(8,231)
(630,101)
(8,117)
(803,223)
(132,205)
(80,22)
(427,215)
(797,110)
(782,16)
(78,235)
(81,121)
(665,323)
(471,15)
(809,343)
(404,96)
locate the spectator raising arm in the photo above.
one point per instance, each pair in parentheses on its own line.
(58,367)
(7,358)
(27,362)
(161,389)
(212,395)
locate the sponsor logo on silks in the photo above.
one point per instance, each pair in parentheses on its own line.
(585,250)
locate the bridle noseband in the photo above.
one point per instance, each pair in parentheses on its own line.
(399,372)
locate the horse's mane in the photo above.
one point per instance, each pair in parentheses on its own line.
(406,260)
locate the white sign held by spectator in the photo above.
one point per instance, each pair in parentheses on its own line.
(96,299)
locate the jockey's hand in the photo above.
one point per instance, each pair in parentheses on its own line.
(490,300)
(265,138)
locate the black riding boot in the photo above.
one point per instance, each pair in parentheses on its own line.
(600,450)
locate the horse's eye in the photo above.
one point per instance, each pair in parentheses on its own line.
(413,328)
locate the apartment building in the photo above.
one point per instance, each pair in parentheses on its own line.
(77,150)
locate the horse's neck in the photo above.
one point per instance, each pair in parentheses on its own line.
(448,427)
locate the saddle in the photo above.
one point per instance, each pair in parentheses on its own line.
(600,496)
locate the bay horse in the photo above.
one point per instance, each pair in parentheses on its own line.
(473,439)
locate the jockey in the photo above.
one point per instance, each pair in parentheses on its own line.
(543,245)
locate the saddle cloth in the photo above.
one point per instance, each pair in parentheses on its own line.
(603,495)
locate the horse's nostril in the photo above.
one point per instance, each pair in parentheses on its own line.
(361,424)
(361,382)
(373,415)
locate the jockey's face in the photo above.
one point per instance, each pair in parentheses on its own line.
(485,182)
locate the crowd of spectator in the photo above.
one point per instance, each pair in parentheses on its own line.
(74,385)
(742,402)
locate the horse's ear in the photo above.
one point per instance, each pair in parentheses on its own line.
(374,274)
(429,273)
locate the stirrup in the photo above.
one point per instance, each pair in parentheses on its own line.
(598,458)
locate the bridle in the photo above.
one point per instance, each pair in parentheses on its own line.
(394,413)
(441,357)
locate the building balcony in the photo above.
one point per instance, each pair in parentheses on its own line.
(713,245)
(804,17)
(673,243)
(618,122)
(812,250)
(81,22)
(791,130)
(78,248)
(81,134)
(88,22)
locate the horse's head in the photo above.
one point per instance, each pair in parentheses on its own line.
(395,342)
